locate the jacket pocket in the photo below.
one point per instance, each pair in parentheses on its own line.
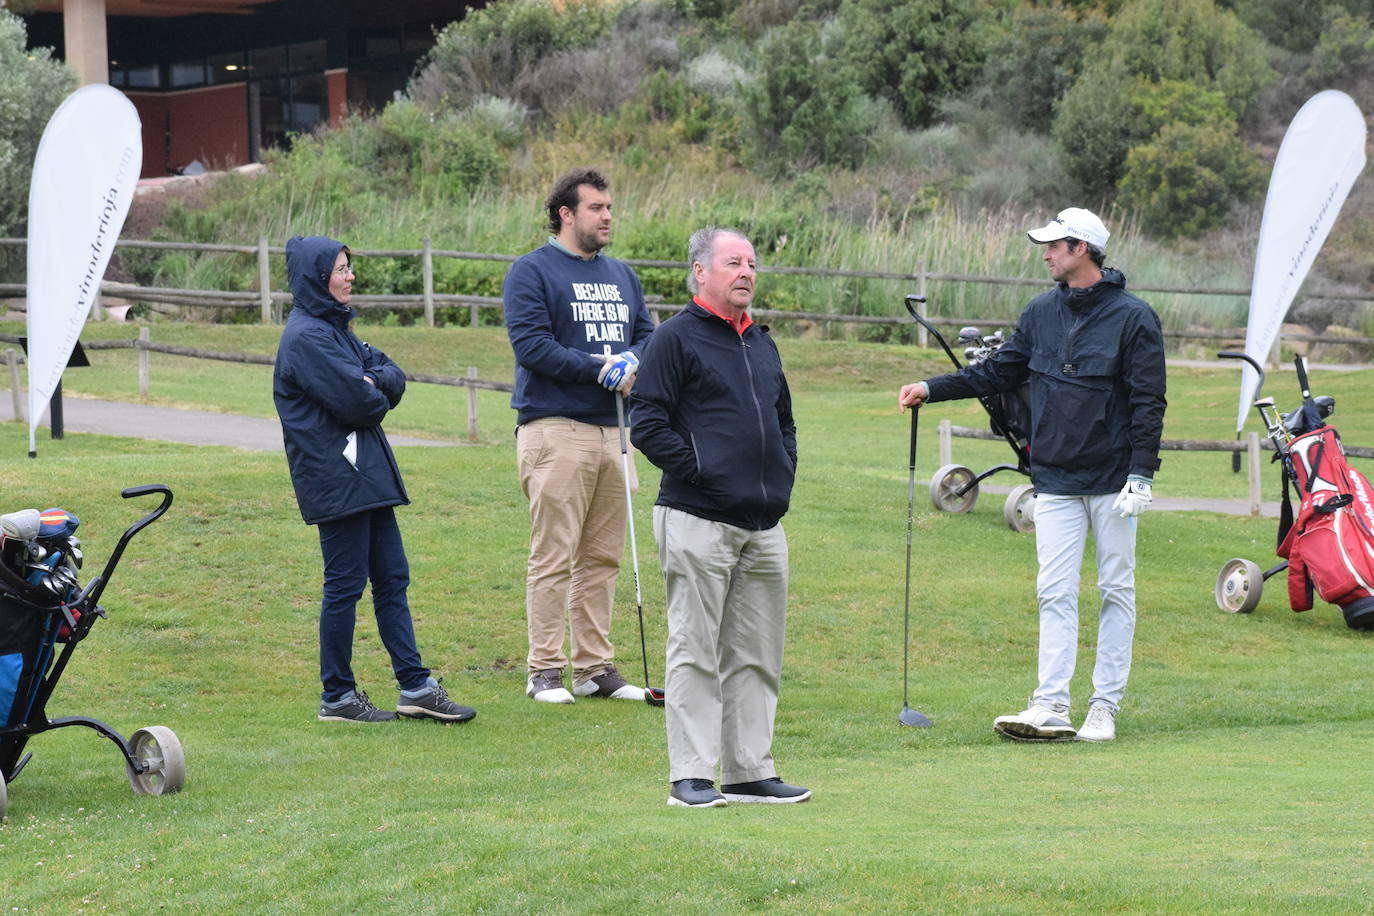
(1073,427)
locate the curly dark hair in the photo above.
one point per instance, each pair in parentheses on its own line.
(565,193)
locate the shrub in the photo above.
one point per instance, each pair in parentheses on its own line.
(1185,179)
(1345,49)
(912,52)
(803,108)
(32,85)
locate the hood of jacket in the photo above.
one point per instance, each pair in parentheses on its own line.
(309,262)
(1080,298)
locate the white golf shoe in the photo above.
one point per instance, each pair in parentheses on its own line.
(1037,723)
(1100,725)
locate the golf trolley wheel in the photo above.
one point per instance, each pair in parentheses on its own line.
(1239,586)
(4,799)
(1019,509)
(160,749)
(948,481)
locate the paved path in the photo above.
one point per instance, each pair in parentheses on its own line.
(173,424)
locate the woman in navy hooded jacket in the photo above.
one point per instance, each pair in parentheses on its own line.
(332,391)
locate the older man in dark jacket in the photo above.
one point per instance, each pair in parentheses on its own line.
(332,391)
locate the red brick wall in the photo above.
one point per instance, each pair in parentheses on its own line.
(209,124)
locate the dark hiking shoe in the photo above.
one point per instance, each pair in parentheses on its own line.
(772,790)
(547,687)
(610,685)
(357,708)
(434,704)
(695,793)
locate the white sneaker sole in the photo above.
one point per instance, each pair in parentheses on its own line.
(628,692)
(765,799)
(674,802)
(1024,731)
(420,712)
(1095,739)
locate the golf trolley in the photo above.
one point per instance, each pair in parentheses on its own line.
(954,487)
(1329,547)
(44,613)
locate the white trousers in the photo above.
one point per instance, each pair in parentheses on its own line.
(1061,531)
(727,612)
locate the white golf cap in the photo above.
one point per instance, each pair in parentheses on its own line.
(1073,223)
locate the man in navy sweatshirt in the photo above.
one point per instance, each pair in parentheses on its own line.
(577,322)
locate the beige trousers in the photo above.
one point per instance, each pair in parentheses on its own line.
(571,473)
(727,612)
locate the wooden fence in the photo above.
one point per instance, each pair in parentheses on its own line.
(269,302)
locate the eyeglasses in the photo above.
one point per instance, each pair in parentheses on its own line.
(344,270)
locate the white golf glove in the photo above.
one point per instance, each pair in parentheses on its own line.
(618,371)
(1135,497)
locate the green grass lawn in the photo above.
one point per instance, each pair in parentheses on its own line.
(1239,782)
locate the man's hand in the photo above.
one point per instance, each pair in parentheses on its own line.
(913,395)
(619,371)
(1135,497)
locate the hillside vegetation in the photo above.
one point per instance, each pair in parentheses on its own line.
(864,134)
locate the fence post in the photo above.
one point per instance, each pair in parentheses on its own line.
(143,363)
(946,443)
(472,405)
(98,306)
(427,269)
(1252,454)
(473,313)
(922,335)
(264,281)
(12,358)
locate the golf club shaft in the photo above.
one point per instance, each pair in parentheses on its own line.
(910,501)
(630,524)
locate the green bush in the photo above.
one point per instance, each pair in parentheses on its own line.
(912,52)
(1033,58)
(32,85)
(1186,178)
(1345,49)
(803,109)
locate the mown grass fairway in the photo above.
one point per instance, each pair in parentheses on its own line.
(1240,781)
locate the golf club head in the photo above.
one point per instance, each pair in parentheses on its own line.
(654,696)
(913,719)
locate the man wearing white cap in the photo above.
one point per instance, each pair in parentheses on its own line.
(1093,355)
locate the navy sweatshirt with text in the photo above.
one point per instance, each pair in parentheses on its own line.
(561,311)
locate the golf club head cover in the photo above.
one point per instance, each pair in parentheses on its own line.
(57,524)
(618,369)
(1135,497)
(22,525)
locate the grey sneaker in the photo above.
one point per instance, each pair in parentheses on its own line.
(547,687)
(1038,723)
(357,708)
(1100,725)
(434,704)
(695,793)
(772,790)
(609,684)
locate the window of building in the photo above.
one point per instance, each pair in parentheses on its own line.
(186,73)
(227,68)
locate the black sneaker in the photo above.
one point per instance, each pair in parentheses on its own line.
(547,687)
(695,793)
(772,790)
(434,704)
(609,684)
(357,708)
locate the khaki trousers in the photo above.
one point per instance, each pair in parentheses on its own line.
(571,473)
(727,612)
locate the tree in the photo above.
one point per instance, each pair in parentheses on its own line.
(1185,179)
(912,52)
(32,85)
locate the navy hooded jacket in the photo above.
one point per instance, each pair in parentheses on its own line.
(340,461)
(1094,358)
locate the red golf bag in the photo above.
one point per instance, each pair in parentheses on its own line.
(1330,545)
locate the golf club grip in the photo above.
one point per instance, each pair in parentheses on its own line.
(1300,365)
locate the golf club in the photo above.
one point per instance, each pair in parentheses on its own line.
(909,716)
(654,696)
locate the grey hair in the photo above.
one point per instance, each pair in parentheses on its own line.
(701,247)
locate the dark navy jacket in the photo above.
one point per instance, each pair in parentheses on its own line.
(1095,361)
(321,396)
(711,408)
(560,309)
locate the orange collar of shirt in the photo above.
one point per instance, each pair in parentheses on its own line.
(740,326)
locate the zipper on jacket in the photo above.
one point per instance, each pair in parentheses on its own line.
(758,411)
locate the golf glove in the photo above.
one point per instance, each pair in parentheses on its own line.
(1135,497)
(618,370)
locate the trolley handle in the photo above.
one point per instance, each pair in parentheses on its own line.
(1259,370)
(97,585)
(1300,364)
